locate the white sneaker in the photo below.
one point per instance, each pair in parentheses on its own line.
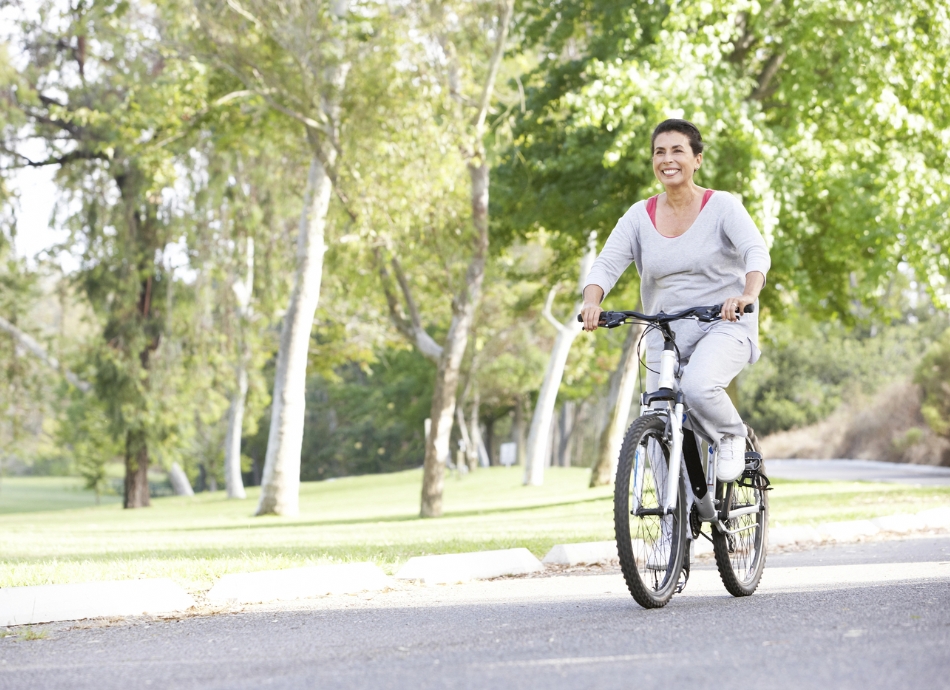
(731,461)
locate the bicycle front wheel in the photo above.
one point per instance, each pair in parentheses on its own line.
(650,545)
(740,552)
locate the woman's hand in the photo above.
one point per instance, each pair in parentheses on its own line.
(590,312)
(733,305)
(754,282)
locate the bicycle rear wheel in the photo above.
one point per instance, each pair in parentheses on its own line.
(650,545)
(740,552)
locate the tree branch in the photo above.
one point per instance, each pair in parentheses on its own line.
(768,72)
(546,312)
(412,328)
(406,293)
(38,351)
(495,64)
(61,160)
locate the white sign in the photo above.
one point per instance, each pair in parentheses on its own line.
(509,454)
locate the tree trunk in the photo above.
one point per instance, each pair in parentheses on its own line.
(544,409)
(233,482)
(179,481)
(520,437)
(281,479)
(479,456)
(540,431)
(490,442)
(136,471)
(625,377)
(450,360)
(568,416)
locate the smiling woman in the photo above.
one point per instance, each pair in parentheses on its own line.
(692,247)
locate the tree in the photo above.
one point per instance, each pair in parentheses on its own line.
(460,36)
(297,58)
(539,434)
(108,101)
(620,397)
(815,113)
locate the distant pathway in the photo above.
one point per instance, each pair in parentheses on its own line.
(859,470)
(862,616)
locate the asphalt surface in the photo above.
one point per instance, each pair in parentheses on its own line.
(859,471)
(872,615)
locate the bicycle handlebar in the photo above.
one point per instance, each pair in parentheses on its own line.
(612,319)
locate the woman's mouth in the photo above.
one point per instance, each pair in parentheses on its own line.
(669,172)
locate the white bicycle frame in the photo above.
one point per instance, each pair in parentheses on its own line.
(676,417)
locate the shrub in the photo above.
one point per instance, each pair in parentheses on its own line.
(933,376)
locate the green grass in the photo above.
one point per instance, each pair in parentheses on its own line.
(40,494)
(195,540)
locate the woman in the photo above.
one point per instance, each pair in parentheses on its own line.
(692,247)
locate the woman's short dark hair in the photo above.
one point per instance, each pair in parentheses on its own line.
(683,127)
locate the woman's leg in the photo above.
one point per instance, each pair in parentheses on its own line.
(716,360)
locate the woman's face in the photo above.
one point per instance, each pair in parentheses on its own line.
(673,160)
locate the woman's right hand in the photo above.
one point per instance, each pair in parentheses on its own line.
(590,312)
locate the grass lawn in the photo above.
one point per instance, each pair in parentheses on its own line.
(194,540)
(38,494)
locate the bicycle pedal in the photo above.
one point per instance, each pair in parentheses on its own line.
(681,585)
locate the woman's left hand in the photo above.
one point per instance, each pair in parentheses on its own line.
(735,304)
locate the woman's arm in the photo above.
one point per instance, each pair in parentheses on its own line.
(746,238)
(621,249)
(590,312)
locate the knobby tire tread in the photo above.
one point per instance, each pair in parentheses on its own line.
(721,544)
(645,596)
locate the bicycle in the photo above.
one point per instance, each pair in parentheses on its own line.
(650,493)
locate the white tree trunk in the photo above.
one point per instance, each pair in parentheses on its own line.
(540,432)
(612,437)
(233,482)
(243,289)
(281,480)
(179,481)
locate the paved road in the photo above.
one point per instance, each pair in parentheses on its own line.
(865,616)
(859,470)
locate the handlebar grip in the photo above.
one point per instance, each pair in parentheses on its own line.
(601,322)
(749,308)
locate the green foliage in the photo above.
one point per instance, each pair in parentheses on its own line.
(827,117)
(808,369)
(933,376)
(368,419)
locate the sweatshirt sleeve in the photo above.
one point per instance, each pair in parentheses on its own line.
(742,232)
(621,249)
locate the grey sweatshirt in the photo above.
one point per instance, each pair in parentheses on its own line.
(703,266)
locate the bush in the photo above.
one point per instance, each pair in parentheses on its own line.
(933,376)
(808,370)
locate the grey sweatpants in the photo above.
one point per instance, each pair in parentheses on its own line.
(711,355)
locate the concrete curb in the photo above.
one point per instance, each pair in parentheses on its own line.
(51,603)
(590,553)
(297,583)
(584,553)
(462,567)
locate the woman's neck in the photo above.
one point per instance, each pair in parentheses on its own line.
(681,197)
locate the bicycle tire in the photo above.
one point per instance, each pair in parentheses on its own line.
(740,557)
(651,574)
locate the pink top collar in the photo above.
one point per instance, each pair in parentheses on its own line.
(651,205)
